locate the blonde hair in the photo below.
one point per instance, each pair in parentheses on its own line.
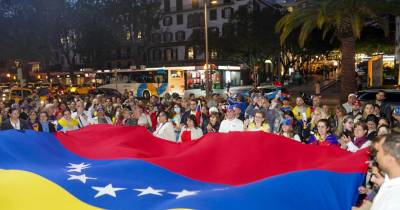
(314,119)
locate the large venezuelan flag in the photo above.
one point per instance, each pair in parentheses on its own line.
(118,168)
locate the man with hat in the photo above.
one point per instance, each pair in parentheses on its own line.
(348,106)
(231,123)
(101,117)
(396,119)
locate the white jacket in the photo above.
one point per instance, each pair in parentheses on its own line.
(231,125)
(165,131)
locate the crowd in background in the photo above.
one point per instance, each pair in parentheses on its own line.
(351,126)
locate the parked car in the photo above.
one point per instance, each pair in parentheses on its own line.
(392,97)
(108,92)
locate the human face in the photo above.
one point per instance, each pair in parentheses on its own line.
(349,125)
(381,156)
(67,115)
(193,105)
(162,117)
(383,122)
(14,114)
(100,113)
(285,128)
(258,118)
(32,116)
(359,131)
(72,106)
(230,114)
(316,101)
(213,119)
(380,96)
(351,99)
(371,125)
(376,178)
(369,109)
(299,101)
(383,131)
(265,103)
(190,123)
(339,113)
(43,117)
(322,129)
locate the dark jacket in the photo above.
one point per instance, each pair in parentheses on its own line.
(52,127)
(6,125)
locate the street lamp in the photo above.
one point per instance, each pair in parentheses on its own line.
(206,69)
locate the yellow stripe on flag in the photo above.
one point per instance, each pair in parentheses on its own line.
(22,190)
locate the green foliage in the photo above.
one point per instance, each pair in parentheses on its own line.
(346,18)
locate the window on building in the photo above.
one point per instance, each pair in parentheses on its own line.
(156,55)
(190,53)
(227,12)
(167,21)
(195,4)
(179,19)
(190,18)
(156,37)
(168,54)
(167,6)
(213,14)
(179,5)
(180,36)
(167,37)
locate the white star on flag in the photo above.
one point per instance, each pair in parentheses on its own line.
(83,178)
(77,167)
(107,190)
(149,191)
(184,193)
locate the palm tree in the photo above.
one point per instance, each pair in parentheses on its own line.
(346,19)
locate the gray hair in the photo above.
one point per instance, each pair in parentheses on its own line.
(391,146)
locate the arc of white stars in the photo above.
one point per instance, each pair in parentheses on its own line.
(184,193)
(77,167)
(83,178)
(107,190)
(149,191)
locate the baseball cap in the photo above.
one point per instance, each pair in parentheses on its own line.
(213,109)
(230,107)
(287,121)
(352,95)
(100,108)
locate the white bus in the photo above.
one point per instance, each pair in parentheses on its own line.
(158,81)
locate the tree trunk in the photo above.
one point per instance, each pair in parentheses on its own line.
(348,77)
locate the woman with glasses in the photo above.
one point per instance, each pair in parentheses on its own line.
(165,129)
(323,137)
(257,123)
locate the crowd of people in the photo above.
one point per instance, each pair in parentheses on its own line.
(351,126)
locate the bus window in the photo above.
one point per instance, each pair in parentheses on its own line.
(176,74)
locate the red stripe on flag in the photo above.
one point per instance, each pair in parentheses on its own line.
(234,158)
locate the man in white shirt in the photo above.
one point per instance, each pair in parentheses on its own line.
(81,115)
(388,158)
(231,123)
(348,106)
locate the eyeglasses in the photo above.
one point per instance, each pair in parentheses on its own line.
(321,126)
(193,104)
